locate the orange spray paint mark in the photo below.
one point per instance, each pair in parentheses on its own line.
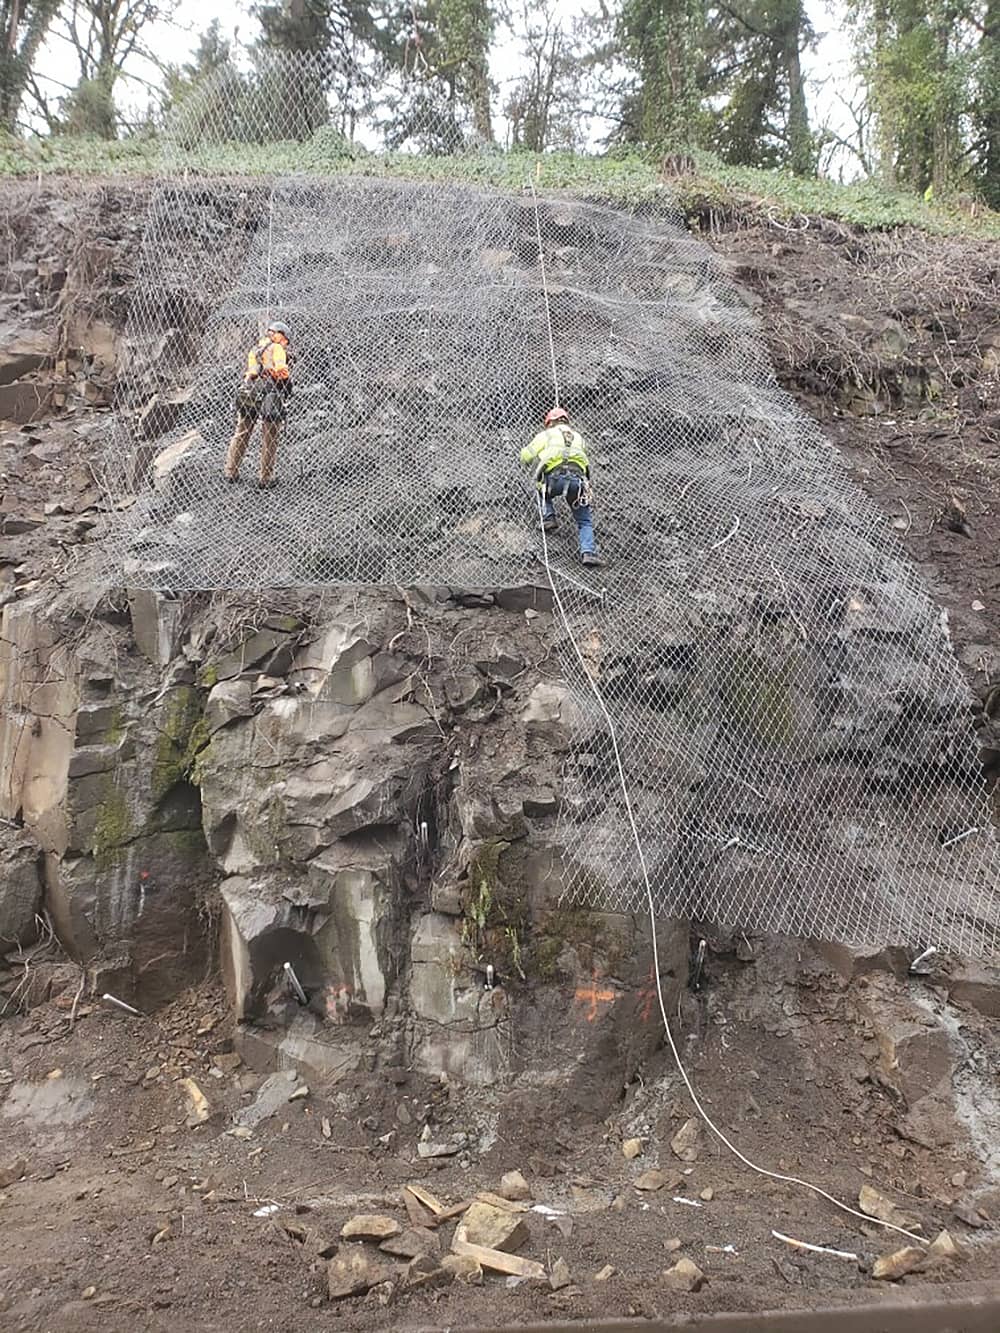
(592,996)
(647,995)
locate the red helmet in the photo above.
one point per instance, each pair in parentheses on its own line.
(556,414)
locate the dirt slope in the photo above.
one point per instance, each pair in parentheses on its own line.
(893,342)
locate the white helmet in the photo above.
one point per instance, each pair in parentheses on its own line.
(276,326)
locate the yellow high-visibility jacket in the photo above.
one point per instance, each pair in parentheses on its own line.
(553,447)
(268,359)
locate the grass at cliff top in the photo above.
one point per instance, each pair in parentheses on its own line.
(714,188)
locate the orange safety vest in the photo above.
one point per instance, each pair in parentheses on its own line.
(268,359)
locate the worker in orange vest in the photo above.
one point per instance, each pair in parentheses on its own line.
(262,396)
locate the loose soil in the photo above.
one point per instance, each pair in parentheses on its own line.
(169,1223)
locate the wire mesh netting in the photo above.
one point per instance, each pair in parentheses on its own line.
(794,731)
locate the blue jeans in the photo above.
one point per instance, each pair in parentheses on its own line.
(570,484)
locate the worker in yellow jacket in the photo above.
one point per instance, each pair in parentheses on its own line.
(562,468)
(262,396)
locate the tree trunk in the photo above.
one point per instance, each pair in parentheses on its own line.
(886,136)
(18,57)
(944,137)
(989,111)
(800,145)
(479,98)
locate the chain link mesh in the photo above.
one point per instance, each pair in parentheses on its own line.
(794,732)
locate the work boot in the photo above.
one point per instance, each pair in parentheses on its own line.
(549,524)
(230,479)
(267,485)
(592,560)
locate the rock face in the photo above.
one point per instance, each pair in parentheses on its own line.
(96,763)
(368,815)
(20,893)
(383,835)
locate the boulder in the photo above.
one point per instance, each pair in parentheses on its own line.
(685,1275)
(916,1052)
(494,1228)
(23,351)
(655,1179)
(977,985)
(157,621)
(686,1143)
(358,802)
(464,1268)
(227,701)
(267,650)
(559,1275)
(174,455)
(356,1270)
(371,1226)
(338,665)
(272,1096)
(876,1204)
(161,415)
(513,1186)
(552,704)
(891,1267)
(943,1249)
(27,400)
(411,1243)
(20,894)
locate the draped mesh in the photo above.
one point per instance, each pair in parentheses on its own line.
(794,734)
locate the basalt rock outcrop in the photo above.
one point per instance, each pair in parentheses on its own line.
(365,788)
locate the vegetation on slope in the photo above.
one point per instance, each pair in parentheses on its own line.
(712,190)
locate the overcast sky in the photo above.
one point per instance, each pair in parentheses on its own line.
(828,68)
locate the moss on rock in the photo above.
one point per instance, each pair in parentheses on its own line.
(576,928)
(112,826)
(494,910)
(757,696)
(182,735)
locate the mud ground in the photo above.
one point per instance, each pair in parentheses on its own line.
(128,1212)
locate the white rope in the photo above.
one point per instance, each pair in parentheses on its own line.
(270,243)
(545,294)
(623,782)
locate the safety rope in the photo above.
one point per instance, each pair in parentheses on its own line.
(270,244)
(633,826)
(545,288)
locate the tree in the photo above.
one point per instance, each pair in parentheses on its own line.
(212,58)
(105,34)
(23,27)
(727,76)
(663,41)
(537,97)
(447,43)
(918,59)
(340,35)
(986,105)
(754,69)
